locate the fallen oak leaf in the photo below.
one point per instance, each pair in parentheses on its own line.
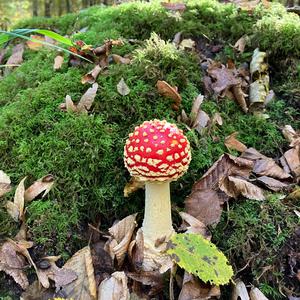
(234,187)
(91,76)
(84,287)
(43,184)
(168,91)
(5,182)
(123,88)
(292,160)
(58,61)
(231,142)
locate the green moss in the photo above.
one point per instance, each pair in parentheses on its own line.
(249,235)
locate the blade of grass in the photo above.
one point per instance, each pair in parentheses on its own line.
(55,36)
(14,34)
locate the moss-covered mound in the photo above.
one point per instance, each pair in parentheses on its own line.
(85,152)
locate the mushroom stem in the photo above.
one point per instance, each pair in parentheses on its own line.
(157,222)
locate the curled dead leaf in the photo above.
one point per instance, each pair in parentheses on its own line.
(43,184)
(121,234)
(5,182)
(120,60)
(16,208)
(241,44)
(217,119)
(91,76)
(291,135)
(133,185)
(168,91)
(34,44)
(240,291)
(271,183)
(87,99)
(114,288)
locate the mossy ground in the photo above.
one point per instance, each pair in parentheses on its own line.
(85,153)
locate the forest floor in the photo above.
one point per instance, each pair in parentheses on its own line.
(222,102)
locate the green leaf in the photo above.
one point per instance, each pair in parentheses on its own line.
(200,257)
(55,36)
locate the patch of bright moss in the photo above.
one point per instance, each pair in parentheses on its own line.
(251,234)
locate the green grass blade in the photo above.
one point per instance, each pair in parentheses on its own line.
(14,34)
(55,36)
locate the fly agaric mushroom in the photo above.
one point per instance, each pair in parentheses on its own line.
(157,153)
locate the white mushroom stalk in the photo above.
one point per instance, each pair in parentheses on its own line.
(157,153)
(157,224)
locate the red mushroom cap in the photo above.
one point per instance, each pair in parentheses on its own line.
(157,151)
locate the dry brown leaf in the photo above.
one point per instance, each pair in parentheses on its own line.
(291,135)
(36,292)
(17,55)
(292,159)
(234,187)
(256,294)
(239,96)
(61,276)
(204,205)
(87,99)
(271,183)
(58,61)
(133,185)
(91,76)
(123,88)
(252,154)
(68,105)
(187,44)
(168,91)
(224,77)
(194,225)
(195,108)
(193,288)
(239,291)
(16,208)
(114,288)
(120,60)
(241,44)
(249,5)
(174,6)
(2,53)
(202,120)
(231,142)
(34,44)
(43,184)
(121,237)
(217,119)
(5,182)
(84,287)
(268,167)
(13,264)
(226,165)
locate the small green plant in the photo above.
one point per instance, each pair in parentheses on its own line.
(200,257)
